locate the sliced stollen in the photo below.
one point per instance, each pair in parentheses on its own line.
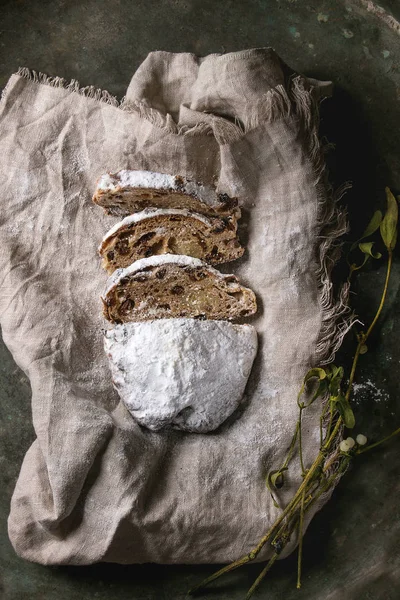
(181,372)
(171,285)
(170,231)
(128,192)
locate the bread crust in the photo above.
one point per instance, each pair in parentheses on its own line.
(175,286)
(170,231)
(130,191)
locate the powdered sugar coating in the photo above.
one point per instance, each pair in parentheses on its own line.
(147,213)
(158,181)
(155,261)
(139,179)
(181,372)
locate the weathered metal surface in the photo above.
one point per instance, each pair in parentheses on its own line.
(352,548)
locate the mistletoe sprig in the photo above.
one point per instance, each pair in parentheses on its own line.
(325,385)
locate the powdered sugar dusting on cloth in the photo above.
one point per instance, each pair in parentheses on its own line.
(367,390)
(182,372)
(157,181)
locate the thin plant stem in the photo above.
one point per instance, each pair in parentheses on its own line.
(284,533)
(291,448)
(323,489)
(300,443)
(300,555)
(353,369)
(328,430)
(364,336)
(321,435)
(331,461)
(396,432)
(261,576)
(385,289)
(231,567)
(309,475)
(296,498)
(330,481)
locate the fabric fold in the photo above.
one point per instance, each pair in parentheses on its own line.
(94,485)
(232,87)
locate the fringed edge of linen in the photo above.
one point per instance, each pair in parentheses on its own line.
(72,86)
(140,108)
(337,317)
(301,101)
(298,99)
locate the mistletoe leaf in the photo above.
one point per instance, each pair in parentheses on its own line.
(372,226)
(345,411)
(316,372)
(274,481)
(357,268)
(366,248)
(388,226)
(334,385)
(321,390)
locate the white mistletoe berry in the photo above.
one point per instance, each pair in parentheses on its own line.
(361,439)
(344,447)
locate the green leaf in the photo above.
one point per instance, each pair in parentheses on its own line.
(345,412)
(328,370)
(358,267)
(334,386)
(331,371)
(389,222)
(320,373)
(366,248)
(274,481)
(319,392)
(372,226)
(277,478)
(394,240)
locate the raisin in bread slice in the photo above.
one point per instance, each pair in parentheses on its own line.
(170,231)
(174,286)
(128,192)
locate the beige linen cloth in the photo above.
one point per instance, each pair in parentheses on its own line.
(94,485)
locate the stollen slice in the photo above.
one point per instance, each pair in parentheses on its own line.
(183,373)
(170,285)
(170,231)
(127,192)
